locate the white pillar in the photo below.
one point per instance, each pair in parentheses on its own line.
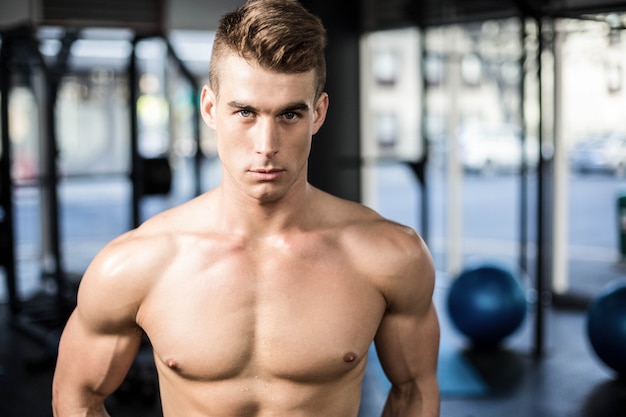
(560,206)
(454,259)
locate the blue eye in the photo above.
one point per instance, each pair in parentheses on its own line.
(245,113)
(290,115)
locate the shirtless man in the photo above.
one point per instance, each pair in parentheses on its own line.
(262,296)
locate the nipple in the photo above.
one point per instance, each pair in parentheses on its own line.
(172,364)
(349,357)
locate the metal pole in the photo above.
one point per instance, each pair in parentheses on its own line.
(544,201)
(136,174)
(50,183)
(187,74)
(560,213)
(454,171)
(539,315)
(7,233)
(50,86)
(425,148)
(523,224)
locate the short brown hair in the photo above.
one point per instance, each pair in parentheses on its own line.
(279,35)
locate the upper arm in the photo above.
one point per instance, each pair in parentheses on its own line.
(101,338)
(91,364)
(407,341)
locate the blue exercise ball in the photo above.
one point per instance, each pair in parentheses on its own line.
(606,326)
(486,303)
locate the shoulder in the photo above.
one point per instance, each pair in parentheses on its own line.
(366,232)
(123,272)
(386,247)
(399,264)
(140,251)
(139,256)
(392,255)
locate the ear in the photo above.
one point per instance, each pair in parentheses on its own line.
(321,107)
(208,107)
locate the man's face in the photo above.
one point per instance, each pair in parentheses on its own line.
(264,122)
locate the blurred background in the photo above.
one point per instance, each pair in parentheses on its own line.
(496,129)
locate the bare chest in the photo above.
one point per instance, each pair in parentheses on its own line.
(275,316)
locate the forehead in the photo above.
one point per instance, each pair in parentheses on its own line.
(243,80)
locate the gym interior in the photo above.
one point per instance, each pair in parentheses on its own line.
(495,128)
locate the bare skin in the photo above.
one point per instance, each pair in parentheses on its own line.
(262,296)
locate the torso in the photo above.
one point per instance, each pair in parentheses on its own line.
(259,327)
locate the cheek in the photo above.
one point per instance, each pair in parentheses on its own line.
(304,142)
(295,140)
(307,139)
(302,148)
(229,144)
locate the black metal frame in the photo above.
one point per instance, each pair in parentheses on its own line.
(7,233)
(16,44)
(20,51)
(137,167)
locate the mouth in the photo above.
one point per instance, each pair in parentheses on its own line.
(267,174)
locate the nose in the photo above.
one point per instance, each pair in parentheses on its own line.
(267,142)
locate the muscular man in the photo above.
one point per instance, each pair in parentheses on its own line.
(262,296)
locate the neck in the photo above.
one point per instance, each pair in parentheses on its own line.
(249,216)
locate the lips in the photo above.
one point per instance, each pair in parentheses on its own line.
(267,174)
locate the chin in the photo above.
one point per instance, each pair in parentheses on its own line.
(267,196)
(270,192)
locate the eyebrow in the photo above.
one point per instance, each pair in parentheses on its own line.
(299,106)
(290,107)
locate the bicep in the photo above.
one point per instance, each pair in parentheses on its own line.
(408,346)
(91,364)
(99,342)
(407,341)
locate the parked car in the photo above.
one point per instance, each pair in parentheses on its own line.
(491,149)
(606,153)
